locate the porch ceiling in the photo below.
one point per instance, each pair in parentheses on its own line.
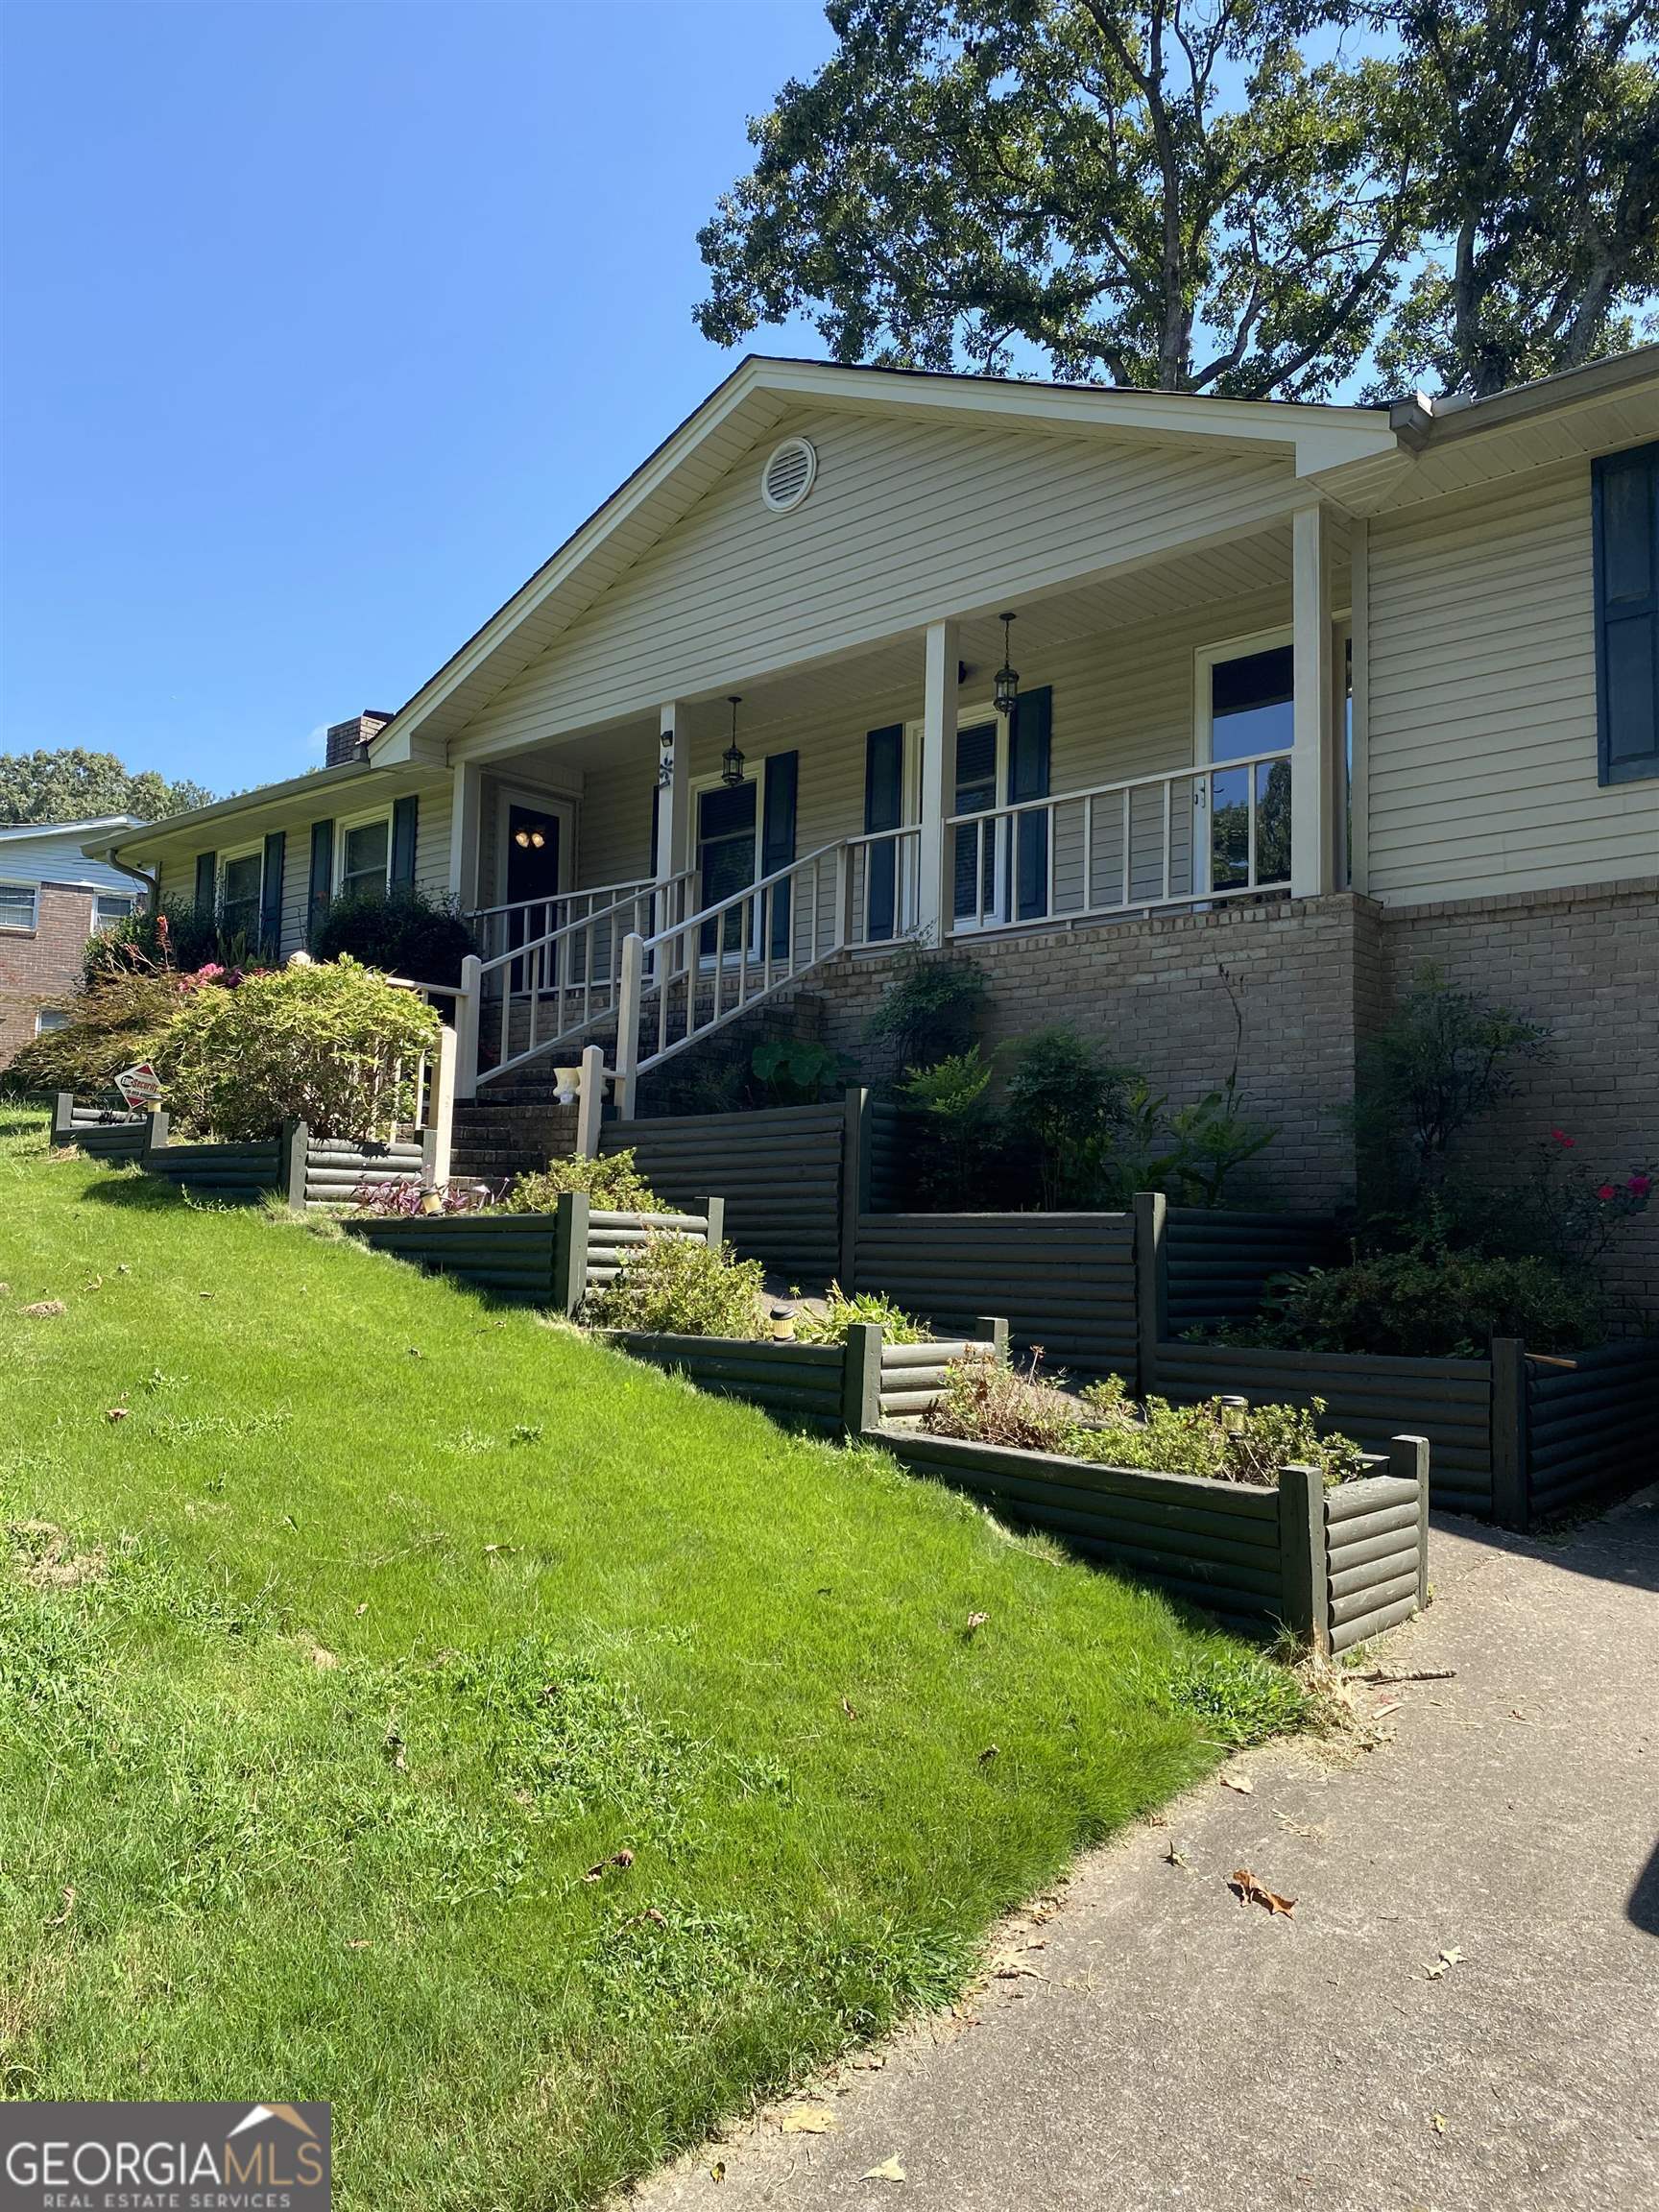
(888,678)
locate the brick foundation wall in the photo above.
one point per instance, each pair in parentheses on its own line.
(43,964)
(1313,979)
(1158,997)
(1587,963)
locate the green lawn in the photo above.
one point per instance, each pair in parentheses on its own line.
(330,1669)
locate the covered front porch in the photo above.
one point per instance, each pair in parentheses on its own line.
(1179,737)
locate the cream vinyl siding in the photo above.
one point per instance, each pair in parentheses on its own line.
(1481,767)
(1123,707)
(907,521)
(177,874)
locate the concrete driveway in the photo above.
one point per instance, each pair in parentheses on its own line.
(1463,2011)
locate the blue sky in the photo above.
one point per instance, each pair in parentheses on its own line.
(323,325)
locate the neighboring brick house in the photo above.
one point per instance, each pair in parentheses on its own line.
(52,899)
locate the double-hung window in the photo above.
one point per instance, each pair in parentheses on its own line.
(112,906)
(365,856)
(17,905)
(239,897)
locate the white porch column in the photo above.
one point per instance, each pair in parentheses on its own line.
(935,893)
(1313,782)
(673,805)
(466,822)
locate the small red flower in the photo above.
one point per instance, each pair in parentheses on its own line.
(1561,1138)
(1639,1186)
(1605,1193)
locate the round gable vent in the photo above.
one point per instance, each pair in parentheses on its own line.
(788,474)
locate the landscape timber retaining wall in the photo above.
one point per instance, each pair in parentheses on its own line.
(1450,1401)
(1256,1557)
(549,1260)
(853,1386)
(1590,1423)
(778,1172)
(1218,1262)
(1064,1280)
(1376,1555)
(237,1174)
(335,1168)
(102,1133)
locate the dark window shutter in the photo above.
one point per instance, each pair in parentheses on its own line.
(405,817)
(320,887)
(1626,488)
(778,837)
(206,882)
(883,809)
(1029,744)
(270,895)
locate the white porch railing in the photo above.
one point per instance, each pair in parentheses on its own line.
(545,991)
(1217,831)
(884,879)
(501,929)
(707,967)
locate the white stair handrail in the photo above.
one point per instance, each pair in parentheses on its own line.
(672,957)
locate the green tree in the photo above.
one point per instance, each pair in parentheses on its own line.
(1541,207)
(74,785)
(965,175)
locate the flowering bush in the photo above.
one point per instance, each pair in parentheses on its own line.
(333,1045)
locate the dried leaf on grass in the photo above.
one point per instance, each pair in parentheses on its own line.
(44,1309)
(623,1858)
(1249,1892)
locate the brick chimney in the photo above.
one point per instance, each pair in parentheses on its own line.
(347,739)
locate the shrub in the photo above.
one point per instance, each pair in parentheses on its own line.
(797,1071)
(1432,1305)
(122,1019)
(1211,1138)
(1062,1101)
(1446,1058)
(994,1402)
(930,1007)
(331,1044)
(956,1128)
(1236,1443)
(843,1312)
(175,934)
(613,1182)
(680,1287)
(401,931)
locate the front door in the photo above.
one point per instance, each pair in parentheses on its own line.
(533,851)
(726,858)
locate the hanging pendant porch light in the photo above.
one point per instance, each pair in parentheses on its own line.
(1008,692)
(732,759)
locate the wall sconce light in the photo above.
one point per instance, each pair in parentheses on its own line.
(665,766)
(731,760)
(1007,690)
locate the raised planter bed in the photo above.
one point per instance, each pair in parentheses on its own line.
(1331,1566)
(849,1388)
(549,1260)
(101,1132)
